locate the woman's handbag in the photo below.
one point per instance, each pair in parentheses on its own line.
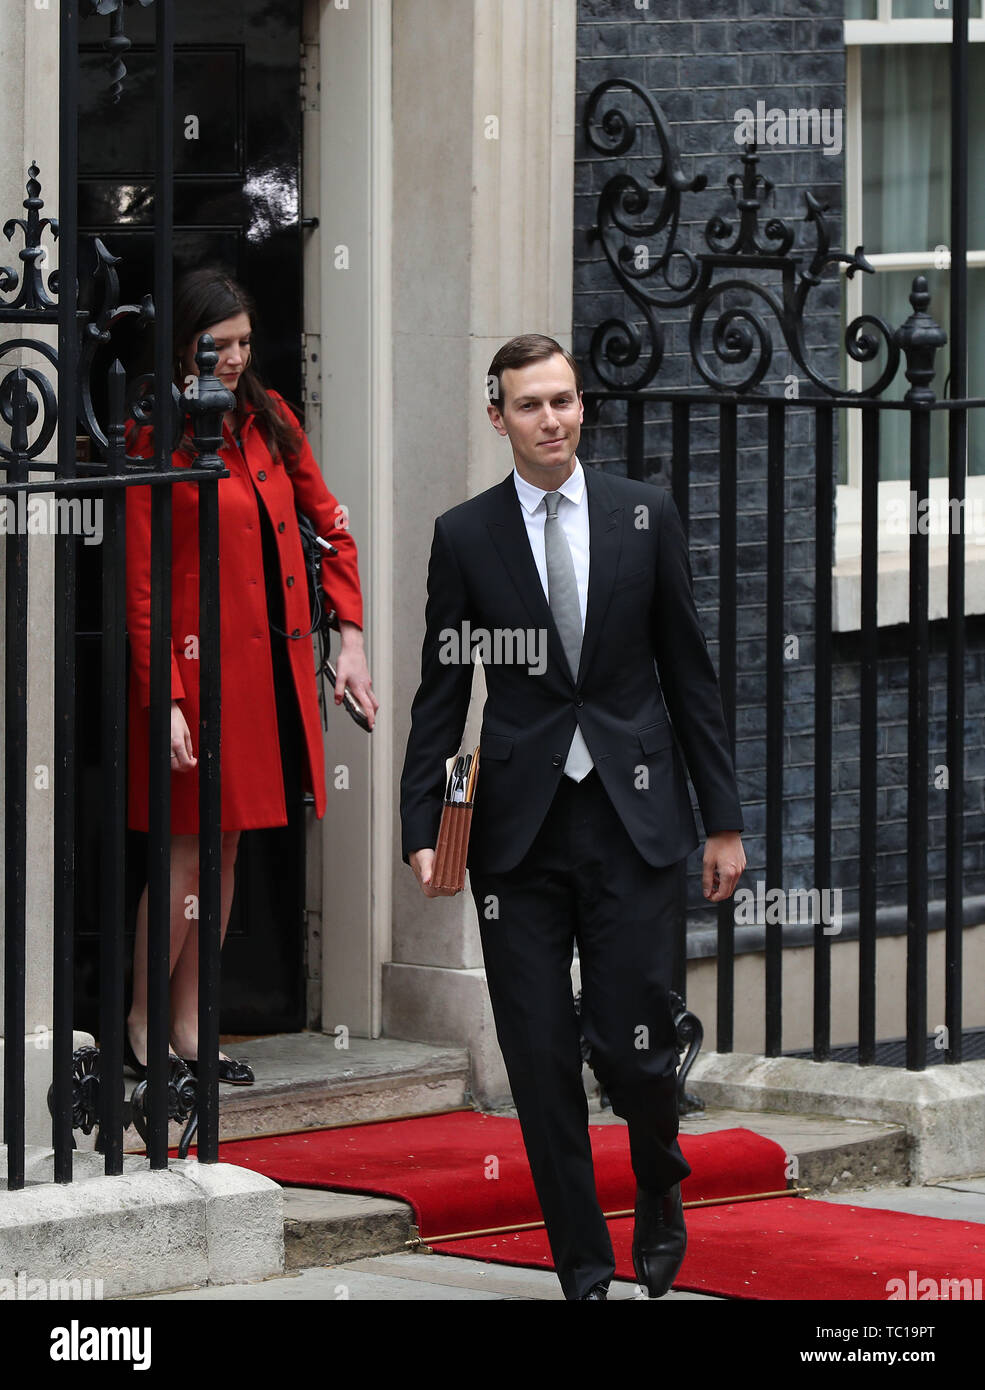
(323,620)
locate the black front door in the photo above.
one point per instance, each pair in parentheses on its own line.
(237,201)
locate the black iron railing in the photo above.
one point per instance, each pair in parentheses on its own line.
(730,312)
(88,1088)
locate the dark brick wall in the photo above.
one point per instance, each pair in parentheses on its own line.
(701,71)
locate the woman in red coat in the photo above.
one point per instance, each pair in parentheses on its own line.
(269,692)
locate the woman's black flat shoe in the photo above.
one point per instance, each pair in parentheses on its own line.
(236,1073)
(139,1069)
(130,1058)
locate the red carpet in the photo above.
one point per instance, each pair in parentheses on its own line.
(466,1172)
(786,1248)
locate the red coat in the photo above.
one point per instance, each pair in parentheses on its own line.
(250,763)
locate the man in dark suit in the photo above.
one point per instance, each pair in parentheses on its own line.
(577,586)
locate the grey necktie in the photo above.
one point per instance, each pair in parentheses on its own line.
(562,587)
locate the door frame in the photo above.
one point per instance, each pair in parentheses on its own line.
(346,185)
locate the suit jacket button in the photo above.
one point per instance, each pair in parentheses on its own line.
(579,703)
(296,632)
(280,526)
(290,580)
(262,476)
(557,760)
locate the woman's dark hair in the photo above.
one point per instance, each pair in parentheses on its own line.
(205,297)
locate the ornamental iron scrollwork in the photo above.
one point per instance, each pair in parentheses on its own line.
(182,1099)
(117,43)
(622,205)
(689,1035)
(28,401)
(207,403)
(722,335)
(97,332)
(182,1103)
(920,337)
(20,408)
(85,1089)
(32,297)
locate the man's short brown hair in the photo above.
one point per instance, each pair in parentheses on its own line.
(518,352)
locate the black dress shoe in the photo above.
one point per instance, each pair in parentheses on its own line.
(598,1292)
(236,1073)
(659,1239)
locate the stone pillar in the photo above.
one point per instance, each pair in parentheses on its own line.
(29,82)
(483,216)
(347,117)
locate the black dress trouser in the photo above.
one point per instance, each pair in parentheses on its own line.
(583,879)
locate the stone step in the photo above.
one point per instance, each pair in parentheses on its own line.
(307,1081)
(831,1154)
(323,1228)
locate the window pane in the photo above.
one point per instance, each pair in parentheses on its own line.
(925,9)
(886,294)
(906,147)
(907,9)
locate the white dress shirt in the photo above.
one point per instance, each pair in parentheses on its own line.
(572,514)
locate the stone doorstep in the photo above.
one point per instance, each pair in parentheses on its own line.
(323,1227)
(332,1103)
(305,1081)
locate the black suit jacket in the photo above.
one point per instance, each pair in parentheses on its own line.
(643,655)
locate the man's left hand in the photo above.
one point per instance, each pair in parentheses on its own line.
(724,862)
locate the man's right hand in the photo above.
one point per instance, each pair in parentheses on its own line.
(182,757)
(422,862)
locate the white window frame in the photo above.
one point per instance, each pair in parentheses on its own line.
(893,494)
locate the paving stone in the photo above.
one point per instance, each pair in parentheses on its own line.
(953,1204)
(419,1278)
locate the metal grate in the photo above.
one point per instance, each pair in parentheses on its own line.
(892,1053)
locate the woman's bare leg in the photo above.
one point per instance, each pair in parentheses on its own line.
(184,977)
(184,884)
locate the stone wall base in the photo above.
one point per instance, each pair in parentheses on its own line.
(942,1108)
(142,1231)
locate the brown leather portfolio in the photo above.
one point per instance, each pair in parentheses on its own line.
(452,849)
